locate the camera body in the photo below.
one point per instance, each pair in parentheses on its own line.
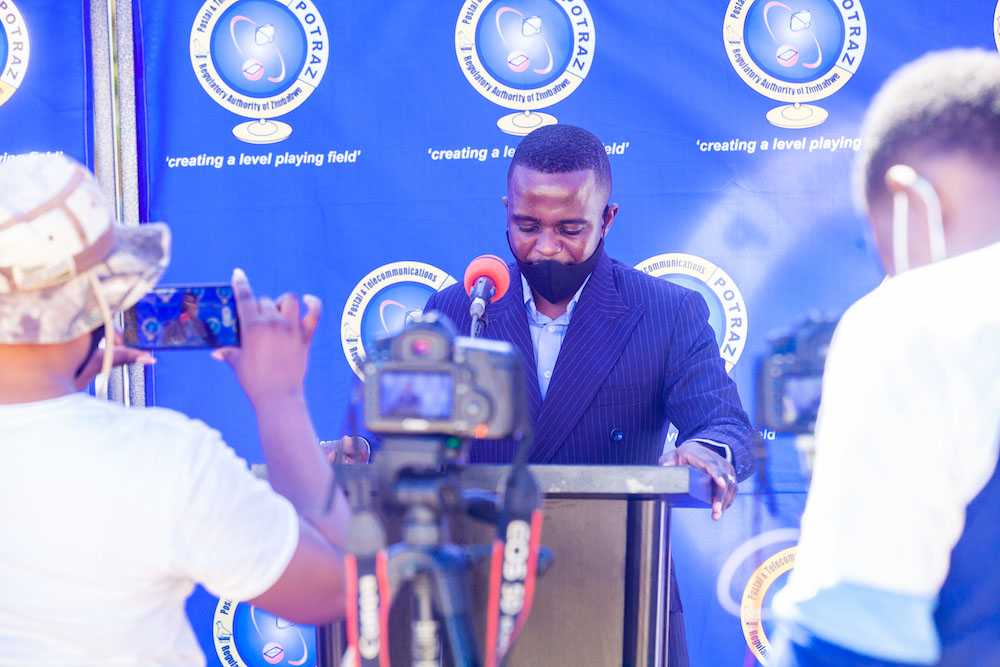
(790,376)
(426,381)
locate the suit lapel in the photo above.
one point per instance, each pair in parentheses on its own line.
(508,321)
(598,331)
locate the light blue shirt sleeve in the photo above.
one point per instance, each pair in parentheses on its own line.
(888,625)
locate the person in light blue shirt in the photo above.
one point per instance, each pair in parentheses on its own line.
(903,504)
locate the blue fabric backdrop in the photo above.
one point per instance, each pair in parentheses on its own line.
(45,78)
(395,157)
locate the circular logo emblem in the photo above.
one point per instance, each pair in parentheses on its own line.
(381,301)
(247,636)
(525,54)
(749,578)
(259,59)
(996,26)
(726,307)
(795,53)
(14,50)
(757,596)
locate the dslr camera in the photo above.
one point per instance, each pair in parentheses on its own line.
(426,381)
(790,376)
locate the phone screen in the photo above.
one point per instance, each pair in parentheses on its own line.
(183,317)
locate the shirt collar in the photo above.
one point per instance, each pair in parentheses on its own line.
(529,302)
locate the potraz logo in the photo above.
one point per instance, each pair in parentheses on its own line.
(259,59)
(381,302)
(796,52)
(525,54)
(14,49)
(247,636)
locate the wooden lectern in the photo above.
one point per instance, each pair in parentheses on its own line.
(604,600)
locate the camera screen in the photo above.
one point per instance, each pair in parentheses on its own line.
(800,396)
(416,394)
(184,317)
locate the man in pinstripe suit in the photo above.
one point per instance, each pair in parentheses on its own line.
(611,356)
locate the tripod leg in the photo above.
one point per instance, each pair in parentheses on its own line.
(454,603)
(426,644)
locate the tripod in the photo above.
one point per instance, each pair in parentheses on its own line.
(410,480)
(438,571)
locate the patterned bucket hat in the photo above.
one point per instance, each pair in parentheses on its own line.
(59,245)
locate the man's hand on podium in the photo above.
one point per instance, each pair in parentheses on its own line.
(722,472)
(347,450)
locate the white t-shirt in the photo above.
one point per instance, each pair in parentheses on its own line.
(108,516)
(907,436)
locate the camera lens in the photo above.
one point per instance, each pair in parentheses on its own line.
(420,347)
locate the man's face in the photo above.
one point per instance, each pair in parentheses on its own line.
(555,216)
(189,303)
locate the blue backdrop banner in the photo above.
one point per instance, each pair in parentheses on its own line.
(358,151)
(46,94)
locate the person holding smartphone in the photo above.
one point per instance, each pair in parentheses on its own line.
(114,513)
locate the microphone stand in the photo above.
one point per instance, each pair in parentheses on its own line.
(482,293)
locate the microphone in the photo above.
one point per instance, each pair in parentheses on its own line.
(486,280)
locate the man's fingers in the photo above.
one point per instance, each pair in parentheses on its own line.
(345,450)
(724,486)
(288,306)
(718,497)
(732,486)
(246,306)
(723,492)
(314,308)
(669,458)
(230,355)
(130,355)
(267,308)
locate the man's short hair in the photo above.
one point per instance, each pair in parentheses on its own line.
(557,149)
(942,103)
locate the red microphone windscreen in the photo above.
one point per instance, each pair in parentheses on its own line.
(492,267)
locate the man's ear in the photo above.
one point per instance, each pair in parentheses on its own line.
(505,202)
(610,211)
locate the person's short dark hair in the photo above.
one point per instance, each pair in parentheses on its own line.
(942,103)
(557,149)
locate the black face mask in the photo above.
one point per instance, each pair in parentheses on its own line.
(555,281)
(95,339)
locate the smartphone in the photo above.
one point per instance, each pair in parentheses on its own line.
(176,317)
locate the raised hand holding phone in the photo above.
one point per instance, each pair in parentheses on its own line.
(274,350)
(270,365)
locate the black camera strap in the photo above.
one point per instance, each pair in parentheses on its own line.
(514,564)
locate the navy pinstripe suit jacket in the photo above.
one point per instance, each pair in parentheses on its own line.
(638,354)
